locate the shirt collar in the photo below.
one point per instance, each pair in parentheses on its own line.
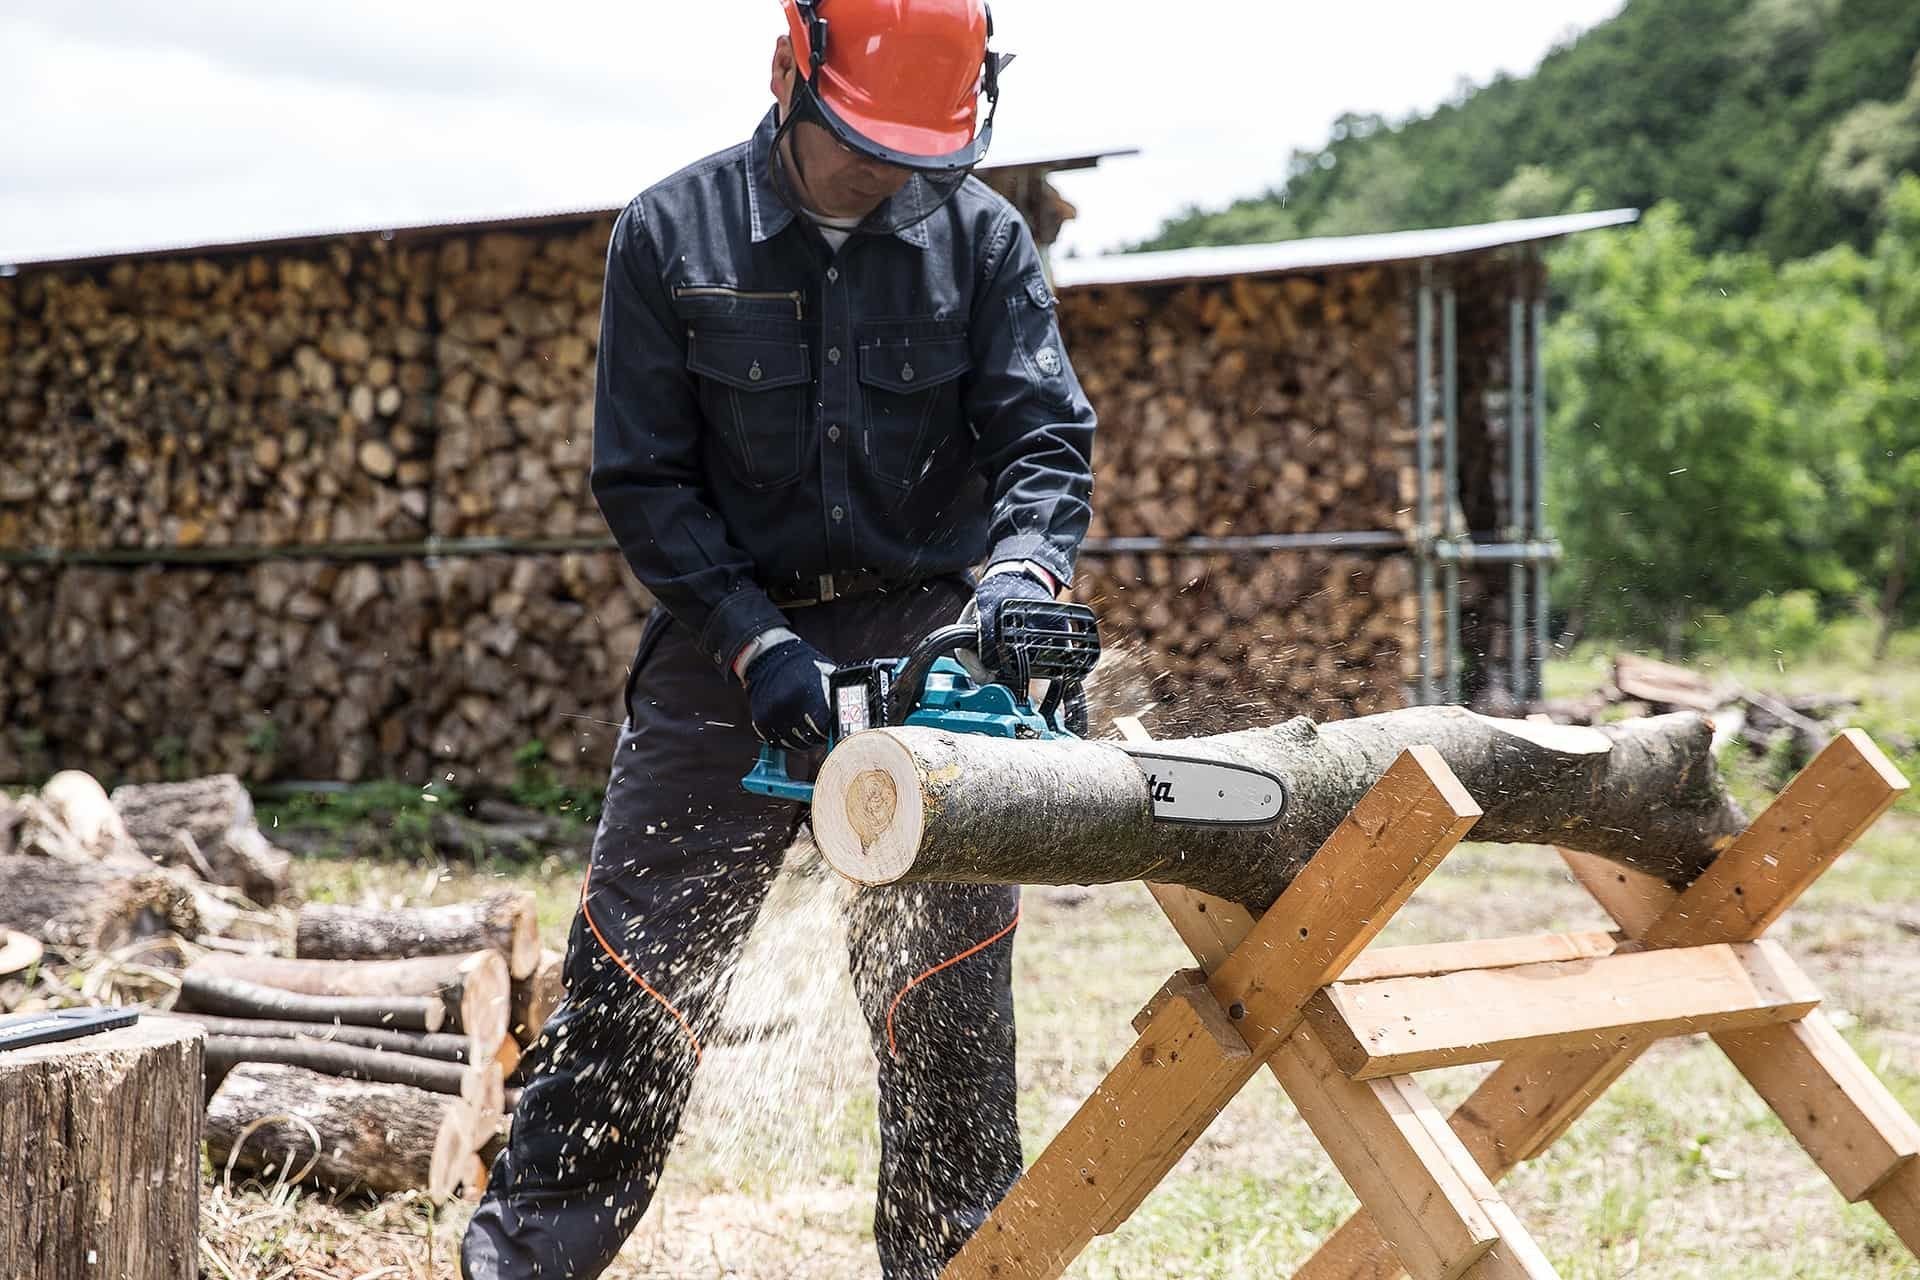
(768,214)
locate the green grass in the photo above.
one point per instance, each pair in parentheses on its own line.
(1680,1171)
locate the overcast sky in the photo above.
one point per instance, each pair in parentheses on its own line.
(131,123)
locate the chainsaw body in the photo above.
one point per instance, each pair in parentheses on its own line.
(935,687)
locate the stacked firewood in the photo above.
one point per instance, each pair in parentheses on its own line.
(520,330)
(417,1015)
(1230,640)
(1248,406)
(236,401)
(319,669)
(1253,407)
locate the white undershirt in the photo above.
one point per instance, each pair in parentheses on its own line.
(836,230)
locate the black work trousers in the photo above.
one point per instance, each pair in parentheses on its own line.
(680,866)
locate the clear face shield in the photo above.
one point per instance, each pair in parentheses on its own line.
(931,181)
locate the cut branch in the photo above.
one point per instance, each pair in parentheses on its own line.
(473,989)
(210,993)
(419,1044)
(350,1062)
(502,922)
(923,804)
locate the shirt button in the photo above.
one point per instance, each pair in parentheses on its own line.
(839,514)
(833,433)
(833,275)
(833,355)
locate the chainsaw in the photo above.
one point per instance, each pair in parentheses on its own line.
(942,684)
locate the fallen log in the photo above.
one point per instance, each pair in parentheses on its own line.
(418,1044)
(345,1134)
(503,922)
(91,906)
(206,824)
(473,989)
(923,804)
(350,1062)
(204,992)
(100,1174)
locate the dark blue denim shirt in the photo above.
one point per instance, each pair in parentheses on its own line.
(768,410)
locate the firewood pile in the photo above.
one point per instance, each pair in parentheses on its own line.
(520,331)
(169,895)
(243,401)
(1274,634)
(1254,407)
(1793,726)
(317,669)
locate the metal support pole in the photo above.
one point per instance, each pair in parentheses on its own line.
(1540,644)
(1450,491)
(1516,489)
(1423,471)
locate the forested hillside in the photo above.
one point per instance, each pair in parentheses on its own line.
(1777,125)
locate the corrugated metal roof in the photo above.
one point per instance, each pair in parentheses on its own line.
(1176,266)
(455,226)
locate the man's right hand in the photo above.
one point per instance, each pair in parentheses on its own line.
(787,691)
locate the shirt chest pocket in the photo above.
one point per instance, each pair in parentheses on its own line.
(754,390)
(910,389)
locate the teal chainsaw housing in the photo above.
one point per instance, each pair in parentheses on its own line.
(953,700)
(930,689)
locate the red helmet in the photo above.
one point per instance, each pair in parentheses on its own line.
(899,80)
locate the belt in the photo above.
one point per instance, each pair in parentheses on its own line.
(833,586)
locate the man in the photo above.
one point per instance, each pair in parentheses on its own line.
(830,382)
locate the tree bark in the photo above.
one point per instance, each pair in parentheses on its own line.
(203,992)
(922,804)
(383,1138)
(474,989)
(502,922)
(206,824)
(100,1155)
(91,907)
(418,1044)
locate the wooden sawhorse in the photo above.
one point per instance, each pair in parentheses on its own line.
(1564,1015)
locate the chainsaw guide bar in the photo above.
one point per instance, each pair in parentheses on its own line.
(1208,793)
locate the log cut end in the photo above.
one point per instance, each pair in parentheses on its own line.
(869,808)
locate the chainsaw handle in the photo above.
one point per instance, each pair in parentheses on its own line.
(904,699)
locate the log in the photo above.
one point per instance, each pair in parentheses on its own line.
(383,1138)
(91,907)
(418,1044)
(206,824)
(204,992)
(537,996)
(80,807)
(920,804)
(503,922)
(350,1062)
(473,989)
(100,1174)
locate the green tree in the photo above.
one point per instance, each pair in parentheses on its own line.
(1708,434)
(1891,512)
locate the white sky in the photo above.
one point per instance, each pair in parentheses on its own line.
(131,123)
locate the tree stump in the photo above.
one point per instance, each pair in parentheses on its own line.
(100,1155)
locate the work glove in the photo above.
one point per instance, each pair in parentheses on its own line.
(989,598)
(787,692)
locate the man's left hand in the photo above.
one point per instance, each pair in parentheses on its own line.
(989,598)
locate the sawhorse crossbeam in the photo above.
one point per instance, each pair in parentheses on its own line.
(1294,992)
